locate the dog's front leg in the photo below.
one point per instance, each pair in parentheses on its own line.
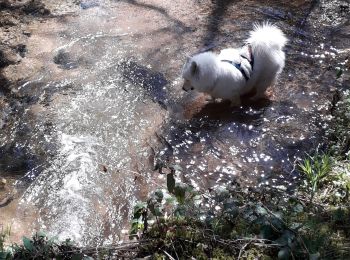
(210,99)
(257,96)
(235,101)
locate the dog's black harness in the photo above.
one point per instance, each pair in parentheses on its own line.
(238,65)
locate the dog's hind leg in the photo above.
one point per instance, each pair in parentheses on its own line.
(261,88)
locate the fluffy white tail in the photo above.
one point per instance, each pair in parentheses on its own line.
(267,35)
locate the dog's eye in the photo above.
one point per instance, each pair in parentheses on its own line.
(192,88)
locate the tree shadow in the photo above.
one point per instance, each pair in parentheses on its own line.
(162,11)
(152,82)
(215,19)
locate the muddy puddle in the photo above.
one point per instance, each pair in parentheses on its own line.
(96,103)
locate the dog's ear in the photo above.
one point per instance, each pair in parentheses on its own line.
(194,68)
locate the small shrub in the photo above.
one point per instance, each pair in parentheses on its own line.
(316,170)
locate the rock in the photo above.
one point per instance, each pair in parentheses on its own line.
(21,49)
(3,183)
(27,33)
(8,57)
(7,19)
(4,84)
(65,60)
(5,201)
(35,7)
(5,4)
(88,4)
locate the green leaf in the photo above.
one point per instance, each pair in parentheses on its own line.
(180,192)
(230,209)
(339,73)
(170,200)
(286,239)
(77,257)
(155,210)
(298,208)
(53,239)
(180,212)
(296,226)
(134,227)
(284,254)
(28,244)
(138,209)
(176,167)
(4,255)
(158,211)
(222,195)
(315,256)
(88,258)
(41,234)
(232,213)
(190,189)
(266,232)
(170,181)
(276,222)
(67,242)
(140,206)
(197,200)
(260,210)
(228,204)
(159,196)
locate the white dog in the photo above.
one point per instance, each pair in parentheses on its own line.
(236,72)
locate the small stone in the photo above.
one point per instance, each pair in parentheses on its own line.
(8,57)
(27,33)
(3,183)
(88,4)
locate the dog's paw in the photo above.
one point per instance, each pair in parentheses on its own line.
(235,102)
(210,99)
(258,96)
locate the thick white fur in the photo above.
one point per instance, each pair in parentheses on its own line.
(205,72)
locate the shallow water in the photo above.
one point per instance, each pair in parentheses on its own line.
(101,104)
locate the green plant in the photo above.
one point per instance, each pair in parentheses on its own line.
(233,220)
(316,170)
(174,201)
(338,132)
(39,246)
(249,223)
(4,235)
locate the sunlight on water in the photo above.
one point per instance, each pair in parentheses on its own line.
(88,190)
(93,129)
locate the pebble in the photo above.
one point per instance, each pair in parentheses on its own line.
(3,183)
(88,4)
(27,33)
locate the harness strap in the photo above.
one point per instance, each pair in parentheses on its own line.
(251,57)
(238,65)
